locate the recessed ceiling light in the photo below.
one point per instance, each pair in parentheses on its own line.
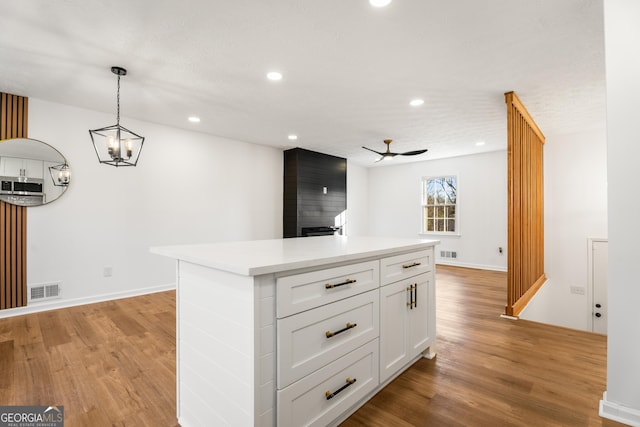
(293,137)
(479,143)
(416,102)
(379,3)
(274,75)
(194,119)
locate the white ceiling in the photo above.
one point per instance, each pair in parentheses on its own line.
(349,69)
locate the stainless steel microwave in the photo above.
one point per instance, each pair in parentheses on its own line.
(21,186)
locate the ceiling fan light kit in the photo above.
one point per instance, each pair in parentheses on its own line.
(388,155)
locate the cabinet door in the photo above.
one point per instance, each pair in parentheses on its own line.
(393,328)
(15,167)
(33,168)
(421,318)
(11,166)
(407,322)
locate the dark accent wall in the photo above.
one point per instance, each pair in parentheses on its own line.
(306,173)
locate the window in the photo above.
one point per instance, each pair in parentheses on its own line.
(439,204)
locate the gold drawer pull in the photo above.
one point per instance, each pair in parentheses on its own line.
(415,264)
(346,282)
(330,334)
(330,395)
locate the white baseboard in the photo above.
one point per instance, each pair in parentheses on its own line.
(466,265)
(619,413)
(62,303)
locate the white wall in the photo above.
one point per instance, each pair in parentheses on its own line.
(575,208)
(622,35)
(394,206)
(357,200)
(188,187)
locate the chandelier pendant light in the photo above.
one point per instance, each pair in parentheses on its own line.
(116,145)
(60,174)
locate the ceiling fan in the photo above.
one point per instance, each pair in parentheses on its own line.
(387,155)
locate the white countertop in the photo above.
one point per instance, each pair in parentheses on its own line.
(252,258)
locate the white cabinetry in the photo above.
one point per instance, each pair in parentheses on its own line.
(316,399)
(407,322)
(311,340)
(296,332)
(407,310)
(18,167)
(327,355)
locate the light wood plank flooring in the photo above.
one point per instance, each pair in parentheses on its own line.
(113,364)
(108,364)
(491,371)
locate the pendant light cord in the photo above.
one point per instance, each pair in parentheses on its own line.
(118,103)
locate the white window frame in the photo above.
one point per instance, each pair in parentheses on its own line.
(423,204)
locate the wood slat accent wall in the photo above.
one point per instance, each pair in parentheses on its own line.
(13,219)
(525,261)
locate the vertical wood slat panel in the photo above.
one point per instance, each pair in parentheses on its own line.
(525,260)
(3,271)
(13,219)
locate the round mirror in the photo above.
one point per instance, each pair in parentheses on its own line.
(32,172)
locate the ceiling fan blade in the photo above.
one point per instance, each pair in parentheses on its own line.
(389,154)
(413,153)
(377,152)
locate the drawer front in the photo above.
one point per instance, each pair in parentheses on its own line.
(315,338)
(305,291)
(349,378)
(402,266)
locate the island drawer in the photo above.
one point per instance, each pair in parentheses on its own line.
(310,340)
(316,399)
(402,266)
(305,291)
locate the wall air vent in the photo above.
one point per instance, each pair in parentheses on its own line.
(44,291)
(448,254)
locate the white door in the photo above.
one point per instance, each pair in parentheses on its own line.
(599,269)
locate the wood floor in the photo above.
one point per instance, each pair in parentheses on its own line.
(113,364)
(108,364)
(491,371)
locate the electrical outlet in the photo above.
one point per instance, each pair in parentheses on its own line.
(578,290)
(500,250)
(107,271)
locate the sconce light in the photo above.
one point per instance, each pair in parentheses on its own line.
(60,174)
(116,145)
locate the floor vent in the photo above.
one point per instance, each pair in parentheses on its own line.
(448,254)
(44,291)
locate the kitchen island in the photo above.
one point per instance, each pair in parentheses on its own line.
(300,331)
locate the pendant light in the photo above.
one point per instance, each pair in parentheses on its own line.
(116,145)
(60,174)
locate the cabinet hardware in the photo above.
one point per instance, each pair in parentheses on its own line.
(346,282)
(415,264)
(413,296)
(330,395)
(330,334)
